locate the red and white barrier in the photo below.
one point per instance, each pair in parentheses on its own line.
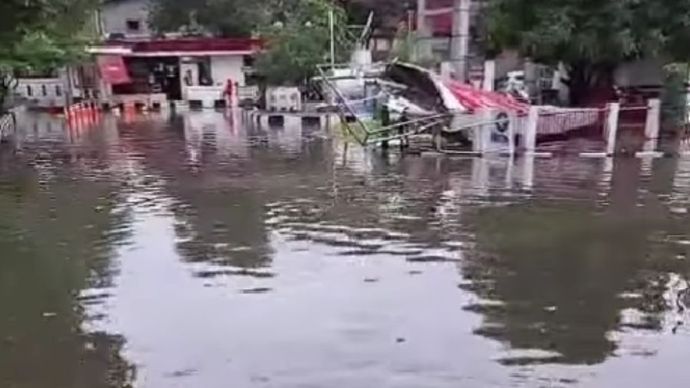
(550,121)
(545,121)
(82,115)
(559,121)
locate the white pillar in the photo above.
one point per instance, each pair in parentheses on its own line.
(489,75)
(446,71)
(482,133)
(528,171)
(513,122)
(331,24)
(651,130)
(477,146)
(530,69)
(480,175)
(292,121)
(530,134)
(612,127)
(652,124)
(460,43)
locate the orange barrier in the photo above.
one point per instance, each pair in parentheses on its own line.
(82,114)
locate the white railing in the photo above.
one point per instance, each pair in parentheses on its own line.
(546,121)
(248,93)
(558,121)
(207,95)
(42,92)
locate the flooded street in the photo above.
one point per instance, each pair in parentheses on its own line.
(189,251)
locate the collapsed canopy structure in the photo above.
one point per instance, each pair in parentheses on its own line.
(455,96)
(397,100)
(414,99)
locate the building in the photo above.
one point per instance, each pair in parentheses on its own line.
(45,90)
(125,18)
(159,70)
(446,31)
(452,31)
(133,65)
(137,66)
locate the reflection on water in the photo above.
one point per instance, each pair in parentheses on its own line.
(196,251)
(55,245)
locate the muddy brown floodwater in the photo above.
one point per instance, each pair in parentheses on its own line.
(190,252)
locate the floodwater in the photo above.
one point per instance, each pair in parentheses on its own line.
(189,252)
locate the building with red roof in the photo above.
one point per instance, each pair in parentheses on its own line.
(140,62)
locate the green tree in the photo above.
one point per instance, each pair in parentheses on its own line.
(299,39)
(296,31)
(590,37)
(674,96)
(38,35)
(226,18)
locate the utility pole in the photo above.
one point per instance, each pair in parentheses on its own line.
(331,24)
(423,46)
(460,41)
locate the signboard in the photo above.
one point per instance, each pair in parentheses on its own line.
(500,133)
(113,69)
(497,135)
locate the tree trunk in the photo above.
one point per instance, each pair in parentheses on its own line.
(591,84)
(578,85)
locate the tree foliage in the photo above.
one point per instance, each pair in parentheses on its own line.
(296,31)
(299,39)
(591,37)
(38,35)
(225,18)
(674,94)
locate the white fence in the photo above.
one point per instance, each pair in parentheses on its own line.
(604,122)
(208,96)
(42,92)
(248,93)
(283,99)
(214,96)
(560,121)
(494,131)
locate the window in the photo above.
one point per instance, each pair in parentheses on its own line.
(29,91)
(133,25)
(248,61)
(44,90)
(205,76)
(58,91)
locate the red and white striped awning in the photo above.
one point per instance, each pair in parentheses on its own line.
(113,69)
(474,99)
